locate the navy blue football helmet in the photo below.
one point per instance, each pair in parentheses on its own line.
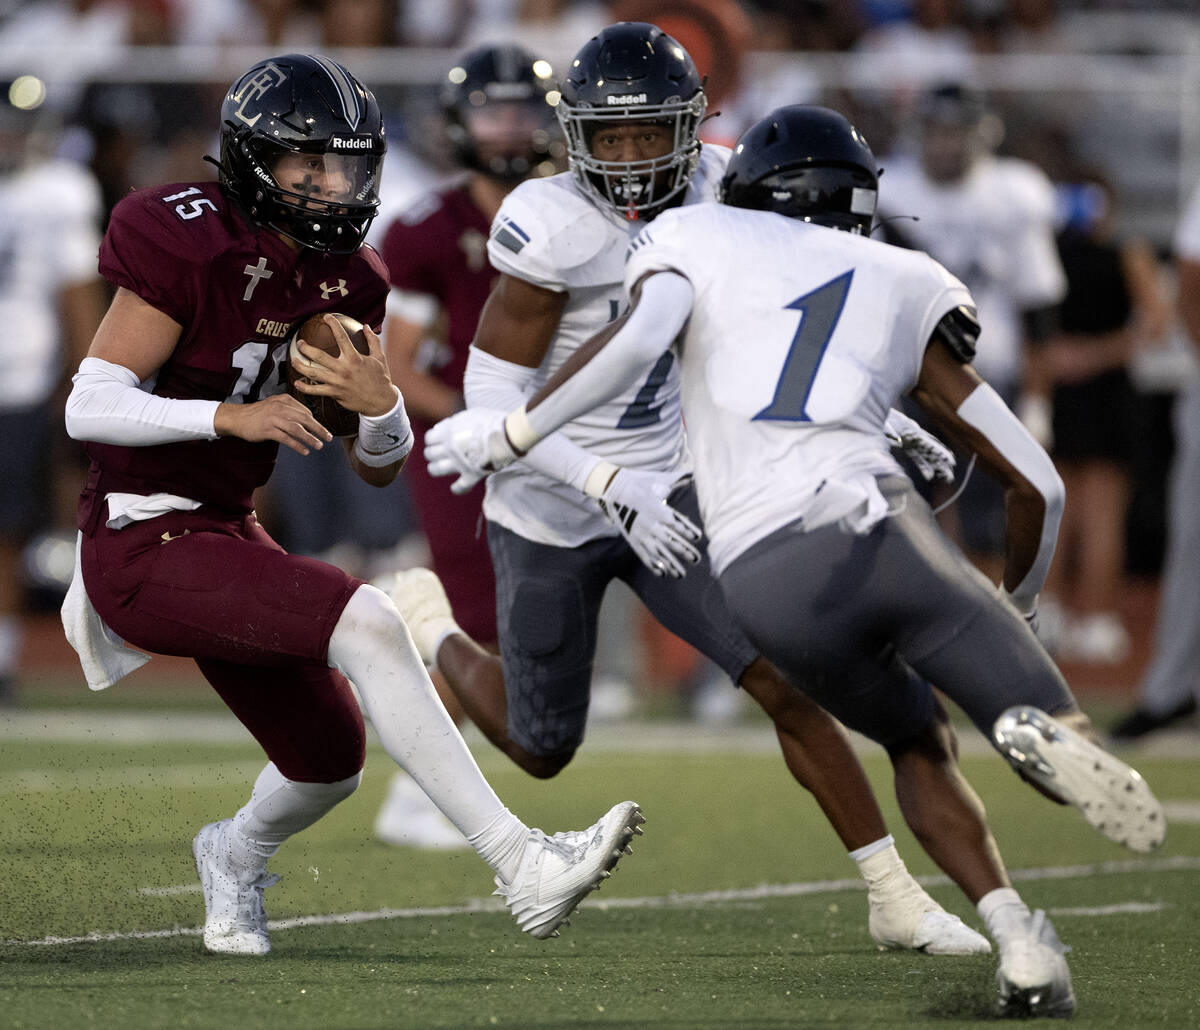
(633,72)
(304,104)
(808,163)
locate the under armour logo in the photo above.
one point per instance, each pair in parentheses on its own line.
(256,272)
(265,81)
(328,291)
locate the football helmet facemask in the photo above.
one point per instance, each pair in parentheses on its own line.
(499,108)
(302,144)
(808,163)
(633,72)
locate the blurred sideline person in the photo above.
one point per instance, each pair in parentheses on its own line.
(990,222)
(829,559)
(570,520)
(51,300)
(1170,689)
(181,402)
(501,126)
(1113,304)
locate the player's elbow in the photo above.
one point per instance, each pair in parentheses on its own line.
(76,415)
(1039,485)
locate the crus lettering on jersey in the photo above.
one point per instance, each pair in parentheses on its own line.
(271,327)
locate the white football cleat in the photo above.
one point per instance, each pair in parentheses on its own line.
(910,919)
(422,601)
(408,818)
(1033,976)
(1112,797)
(556,873)
(235,921)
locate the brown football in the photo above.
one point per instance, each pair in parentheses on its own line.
(338,420)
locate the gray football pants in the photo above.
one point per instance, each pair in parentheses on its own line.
(865,624)
(1174,672)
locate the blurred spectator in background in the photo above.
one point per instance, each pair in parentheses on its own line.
(359,23)
(51,301)
(503,129)
(933,44)
(990,221)
(1113,304)
(1171,687)
(277,24)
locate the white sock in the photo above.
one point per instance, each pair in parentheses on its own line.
(1003,913)
(372,647)
(279,808)
(882,867)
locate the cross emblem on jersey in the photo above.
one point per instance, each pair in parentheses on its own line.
(256,272)
(328,291)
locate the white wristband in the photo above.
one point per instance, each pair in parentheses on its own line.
(384,439)
(599,478)
(521,435)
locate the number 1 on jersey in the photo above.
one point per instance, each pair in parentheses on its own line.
(819,310)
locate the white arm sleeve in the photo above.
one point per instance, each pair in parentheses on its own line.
(662,311)
(106,406)
(492,382)
(984,410)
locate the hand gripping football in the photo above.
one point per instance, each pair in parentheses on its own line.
(338,420)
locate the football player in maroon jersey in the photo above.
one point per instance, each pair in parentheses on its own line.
(181,403)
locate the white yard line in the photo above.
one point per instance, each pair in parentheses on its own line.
(683,736)
(668,901)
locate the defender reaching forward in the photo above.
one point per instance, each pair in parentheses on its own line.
(181,404)
(795,339)
(590,504)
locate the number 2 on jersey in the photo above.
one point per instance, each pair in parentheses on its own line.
(819,310)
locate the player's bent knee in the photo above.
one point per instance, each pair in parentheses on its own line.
(543,767)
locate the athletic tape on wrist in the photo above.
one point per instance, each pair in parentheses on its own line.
(599,478)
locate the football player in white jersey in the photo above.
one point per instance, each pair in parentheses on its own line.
(794,341)
(591,505)
(990,220)
(51,300)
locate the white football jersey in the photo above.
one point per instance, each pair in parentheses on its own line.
(49,239)
(994,229)
(801,339)
(550,233)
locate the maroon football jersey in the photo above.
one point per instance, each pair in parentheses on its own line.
(439,248)
(237,290)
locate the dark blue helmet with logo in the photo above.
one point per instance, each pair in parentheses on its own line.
(633,72)
(304,104)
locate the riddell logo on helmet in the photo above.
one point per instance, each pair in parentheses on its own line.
(352,143)
(624,99)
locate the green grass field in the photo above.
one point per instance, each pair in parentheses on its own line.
(737,910)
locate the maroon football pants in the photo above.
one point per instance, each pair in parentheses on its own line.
(215,587)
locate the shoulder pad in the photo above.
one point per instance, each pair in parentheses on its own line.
(959,331)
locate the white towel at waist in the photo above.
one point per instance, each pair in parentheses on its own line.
(105,657)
